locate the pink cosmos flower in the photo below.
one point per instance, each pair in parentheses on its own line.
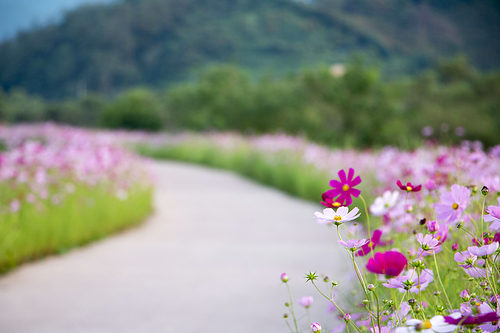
(390,263)
(484,250)
(452,203)
(493,216)
(411,281)
(465,259)
(369,246)
(409,187)
(306,301)
(428,242)
(344,188)
(354,244)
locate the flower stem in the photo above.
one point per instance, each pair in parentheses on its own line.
(291,307)
(336,306)
(441,282)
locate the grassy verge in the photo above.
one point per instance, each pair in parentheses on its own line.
(283,170)
(88,214)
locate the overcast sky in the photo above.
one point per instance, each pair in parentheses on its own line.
(16,15)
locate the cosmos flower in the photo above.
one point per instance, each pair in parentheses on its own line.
(428,243)
(471,319)
(338,217)
(330,202)
(435,324)
(390,263)
(411,281)
(344,189)
(306,301)
(484,250)
(465,259)
(493,216)
(452,203)
(409,187)
(369,246)
(353,244)
(382,204)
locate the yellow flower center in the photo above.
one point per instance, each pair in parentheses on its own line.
(337,217)
(426,325)
(409,188)
(454,206)
(345,187)
(336,204)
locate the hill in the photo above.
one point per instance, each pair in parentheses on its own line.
(105,48)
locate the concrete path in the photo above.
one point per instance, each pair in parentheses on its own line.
(208,260)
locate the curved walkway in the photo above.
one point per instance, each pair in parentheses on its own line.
(208,260)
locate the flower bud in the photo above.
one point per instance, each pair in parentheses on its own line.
(285,315)
(423,221)
(326,279)
(432,226)
(473,189)
(439,308)
(437,293)
(478,329)
(417,308)
(315,327)
(370,287)
(454,247)
(287,304)
(347,317)
(334,283)
(485,190)
(483,284)
(412,302)
(366,302)
(284,277)
(459,225)
(409,208)
(464,295)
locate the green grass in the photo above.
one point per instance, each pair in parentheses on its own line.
(88,214)
(283,170)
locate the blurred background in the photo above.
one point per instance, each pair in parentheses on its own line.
(345,73)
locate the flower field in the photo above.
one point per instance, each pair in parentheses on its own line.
(61,187)
(422,228)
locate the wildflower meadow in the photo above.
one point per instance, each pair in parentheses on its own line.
(63,186)
(421,227)
(425,256)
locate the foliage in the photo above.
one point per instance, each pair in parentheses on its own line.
(106,48)
(136,109)
(342,107)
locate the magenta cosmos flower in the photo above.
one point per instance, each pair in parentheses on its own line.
(409,187)
(471,320)
(390,263)
(452,203)
(368,247)
(493,216)
(344,189)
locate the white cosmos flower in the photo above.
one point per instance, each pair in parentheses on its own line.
(338,217)
(435,324)
(382,204)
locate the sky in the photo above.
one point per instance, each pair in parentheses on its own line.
(18,15)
